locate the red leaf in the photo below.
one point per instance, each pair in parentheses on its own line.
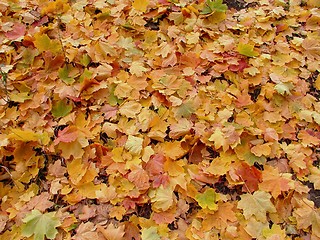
(68,134)
(250,175)
(17,31)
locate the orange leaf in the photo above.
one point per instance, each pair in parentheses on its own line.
(261,149)
(274,182)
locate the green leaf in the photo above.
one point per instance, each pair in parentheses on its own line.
(207,199)
(40,225)
(247,50)
(86,74)
(61,109)
(113,99)
(185,110)
(150,233)
(214,6)
(284,88)
(85,60)
(250,158)
(64,74)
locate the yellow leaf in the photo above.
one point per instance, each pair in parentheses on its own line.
(137,69)
(174,168)
(274,233)
(162,198)
(89,190)
(117,154)
(23,135)
(247,50)
(173,150)
(314,177)
(76,170)
(221,165)
(134,145)
(28,135)
(56,7)
(218,138)
(71,149)
(44,43)
(263,149)
(130,109)
(256,204)
(207,199)
(140,5)
(317,83)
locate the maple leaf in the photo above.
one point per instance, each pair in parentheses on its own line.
(221,218)
(317,83)
(56,7)
(64,74)
(261,149)
(163,217)
(140,5)
(214,6)
(68,134)
(134,144)
(254,228)
(218,139)
(182,127)
(250,175)
(40,225)
(274,182)
(247,50)
(312,48)
(3,220)
(61,108)
(44,43)
(40,202)
(256,204)
(28,135)
(314,177)
(307,216)
(243,152)
(137,69)
(130,109)
(140,178)
(207,199)
(274,233)
(284,88)
(220,165)
(150,233)
(162,198)
(112,232)
(173,149)
(18,30)
(86,231)
(174,168)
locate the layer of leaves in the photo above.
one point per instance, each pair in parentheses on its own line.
(153,119)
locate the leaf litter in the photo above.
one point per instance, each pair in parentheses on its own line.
(159,119)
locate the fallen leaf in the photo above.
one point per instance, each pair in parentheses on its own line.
(256,204)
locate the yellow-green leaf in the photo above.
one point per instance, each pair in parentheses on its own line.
(150,233)
(44,43)
(134,144)
(207,199)
(247,50)
(64,74)
(40,225)
(61,109)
